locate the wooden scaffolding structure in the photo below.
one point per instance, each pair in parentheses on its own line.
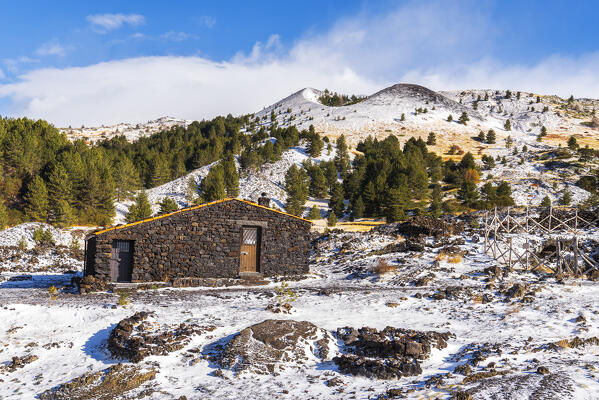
(564,229)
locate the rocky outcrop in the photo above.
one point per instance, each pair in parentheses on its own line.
(387,354)
(427,226)
(107,384)
(266,347)
(18,362)
(139,336)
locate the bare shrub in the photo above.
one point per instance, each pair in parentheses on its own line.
(383,267)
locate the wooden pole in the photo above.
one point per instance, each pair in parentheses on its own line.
(575,244)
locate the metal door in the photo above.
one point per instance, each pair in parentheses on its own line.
(121,261)
(250,247)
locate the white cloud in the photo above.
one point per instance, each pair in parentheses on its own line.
(177,36)
(13,65)
(207,21)
(103,23)
(144,88)
(434,45)
(51,48)
(1,74)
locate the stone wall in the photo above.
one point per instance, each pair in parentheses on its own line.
(205,242)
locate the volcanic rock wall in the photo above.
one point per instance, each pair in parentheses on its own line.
(205,242)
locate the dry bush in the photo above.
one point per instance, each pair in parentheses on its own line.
(454,259)
(383,267)
(441,256)
(513,310)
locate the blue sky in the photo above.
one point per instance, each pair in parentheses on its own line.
(195,59)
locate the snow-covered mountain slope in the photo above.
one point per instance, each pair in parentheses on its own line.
(269,179)
(381,114)
(131,131)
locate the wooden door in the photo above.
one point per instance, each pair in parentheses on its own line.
(250,247)
(121,261)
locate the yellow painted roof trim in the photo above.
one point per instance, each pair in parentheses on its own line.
(195,208)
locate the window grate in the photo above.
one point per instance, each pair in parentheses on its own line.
(123,246)
(250,236)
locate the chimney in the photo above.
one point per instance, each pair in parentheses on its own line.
(263,200)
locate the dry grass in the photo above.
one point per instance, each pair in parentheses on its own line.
(454,259)
(383,267)
(513,310)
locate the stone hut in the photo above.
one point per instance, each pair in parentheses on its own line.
(228,238)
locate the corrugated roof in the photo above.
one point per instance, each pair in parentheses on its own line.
(195,208)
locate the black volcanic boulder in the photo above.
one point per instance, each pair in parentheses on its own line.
(427,226)
(140,335)
(266,347)
(387,354)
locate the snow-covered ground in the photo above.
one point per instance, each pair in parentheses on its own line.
(69,333)
(131,131)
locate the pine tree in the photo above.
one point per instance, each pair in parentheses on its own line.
(64,215)
(572,143)
(191,195)
(161,171)
(167,205)
(332,219)
(566,198)
(418,180)
(431,140)
(543,131)
(3,216)
(315,145)
(481,136)
(358,208)
(437,201)
(403,117)
(59,185)
(467,162)
(126,178)
(509,142)
(213,185)
(507,125)
(105,208)
(396,200)
(546,202)
(504,194)
(468,193)
(489,193)
(508,94)
(141,209)
(59,189)
(464,118)
(342,161)
(231,176)
(314,213)
(318,182)
(369,196)
(36,200)
(336,202)
(449,118)
(491,138)
(296,185)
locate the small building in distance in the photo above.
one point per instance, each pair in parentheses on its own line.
(229,238)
